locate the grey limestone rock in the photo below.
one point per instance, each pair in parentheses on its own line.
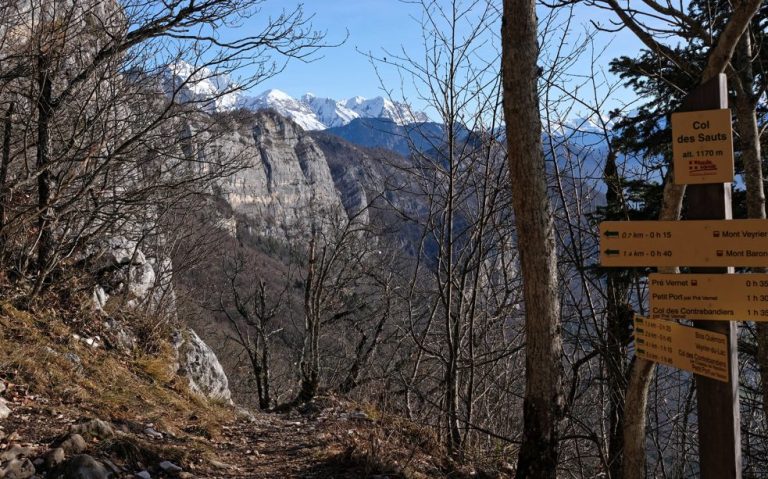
(201,366)
(152,433)
(170,468)
(94,428)
(84,466)
(124,339)
(54,457)
(118,251)
(99,298)
(286,176)
(18,469)
(15,452)
(73,444)
(4,410)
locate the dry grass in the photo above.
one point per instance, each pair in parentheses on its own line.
(40,356)
(57,379)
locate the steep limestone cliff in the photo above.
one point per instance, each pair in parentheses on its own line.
(284,180)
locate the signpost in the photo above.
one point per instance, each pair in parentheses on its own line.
(684,347)
(717,403)
(684,243)
(702,147)
(711,243)
(737,297)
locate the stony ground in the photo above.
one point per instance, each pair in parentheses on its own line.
(327,439)
(71,410)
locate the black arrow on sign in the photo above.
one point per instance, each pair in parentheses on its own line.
(611,234)
(611,252)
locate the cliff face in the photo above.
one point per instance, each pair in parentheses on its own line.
(285,179)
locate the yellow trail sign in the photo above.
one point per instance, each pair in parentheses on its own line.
(702,147)
(731,297)
(684,347)
(684,243)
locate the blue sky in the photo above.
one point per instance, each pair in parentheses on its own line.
(378,25)
(343,71)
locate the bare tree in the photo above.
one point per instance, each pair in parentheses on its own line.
(253,320)
(91,129)
(462,291)
(536,240)
(339,250)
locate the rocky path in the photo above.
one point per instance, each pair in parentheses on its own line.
(327,439)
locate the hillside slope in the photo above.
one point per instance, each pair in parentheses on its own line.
(74,410)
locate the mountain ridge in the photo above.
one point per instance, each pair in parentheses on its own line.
(219,93)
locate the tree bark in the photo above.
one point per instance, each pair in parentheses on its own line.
(45,179)
(543,404)
(309,365)
(751,156)
(4,165)
(618,328)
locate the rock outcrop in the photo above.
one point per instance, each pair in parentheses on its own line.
(199,364)
(287,179)
(284,180)
(124,271)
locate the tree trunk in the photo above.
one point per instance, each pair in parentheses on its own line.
(5,163)
(265,398)
(542,408)
(45,179)
(363,354)
(619,319)
(749,137)
(636,402)
(618,329)
(309,364)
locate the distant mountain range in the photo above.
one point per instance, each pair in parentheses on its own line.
(214,93)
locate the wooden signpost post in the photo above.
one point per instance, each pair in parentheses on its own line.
(717,402)
(711,243)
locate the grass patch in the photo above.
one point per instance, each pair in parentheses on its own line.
(40,355)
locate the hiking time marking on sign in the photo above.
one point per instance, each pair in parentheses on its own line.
(684,347)
(735,297)
(706,243)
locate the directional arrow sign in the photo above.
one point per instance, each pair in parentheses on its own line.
(734,297)
(684,243)
(696,350)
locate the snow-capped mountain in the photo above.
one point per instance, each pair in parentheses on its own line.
(317,113)
(330,112)
(297,110)
(191,84)
(400,113)
(214,92)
